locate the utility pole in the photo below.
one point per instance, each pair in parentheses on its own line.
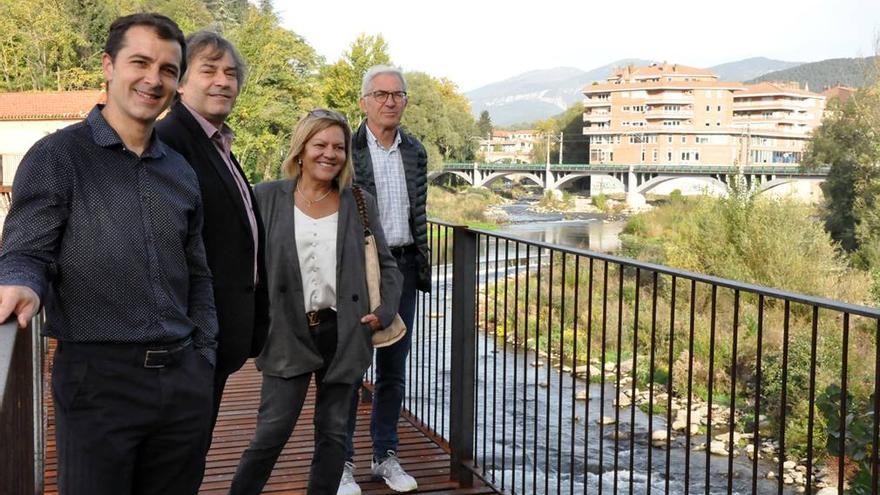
(548,150)
(560,148)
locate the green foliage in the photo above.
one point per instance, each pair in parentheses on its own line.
(467,206)
(484,124)
(769,242)
(278,90)
(39,47)
(570,123)
(340,84)
(859,432)
(849,141)
(600,201)
(441,118)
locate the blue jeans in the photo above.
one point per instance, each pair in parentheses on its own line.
(390,371)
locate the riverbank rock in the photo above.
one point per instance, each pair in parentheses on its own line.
(659,439)
(718,448)
(827,491)
(605,421)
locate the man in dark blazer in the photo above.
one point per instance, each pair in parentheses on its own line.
(233,233)
(392,165)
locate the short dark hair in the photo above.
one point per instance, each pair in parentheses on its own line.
(218,46)
(164,27)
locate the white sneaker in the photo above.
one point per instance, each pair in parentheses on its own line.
(394,475)
(347,484)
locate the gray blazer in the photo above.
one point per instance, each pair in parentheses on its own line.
(289,350)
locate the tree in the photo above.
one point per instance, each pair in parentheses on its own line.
(485,125)
(849,142)
(280,87)
(441,118)
(574,146)
(340,85)
(38,46)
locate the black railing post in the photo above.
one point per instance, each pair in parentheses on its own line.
(461,402)
(19,469)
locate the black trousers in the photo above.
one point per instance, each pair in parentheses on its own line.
(124,429)
(281,401)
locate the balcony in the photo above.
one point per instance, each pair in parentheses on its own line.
(596,102)
(781,104)
(669,114)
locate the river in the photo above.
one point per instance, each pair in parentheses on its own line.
(511,421)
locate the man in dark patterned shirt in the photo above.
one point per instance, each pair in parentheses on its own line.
(105,230)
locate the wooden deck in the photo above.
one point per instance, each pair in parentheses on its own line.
(421,456)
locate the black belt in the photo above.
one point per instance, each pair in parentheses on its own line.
(315,318)
(398,251)
(158,355)
(162,357)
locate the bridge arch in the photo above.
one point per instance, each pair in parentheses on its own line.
(493,176)
(436,174)
(805,189)
(690,184)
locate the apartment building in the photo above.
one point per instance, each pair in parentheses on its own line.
(509,146)
(674,114)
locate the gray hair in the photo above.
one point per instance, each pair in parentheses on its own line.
(378,70)
(216,45)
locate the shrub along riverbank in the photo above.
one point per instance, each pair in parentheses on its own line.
(602,314)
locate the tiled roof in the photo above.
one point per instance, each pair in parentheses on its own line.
(50,105)
(842,93)
(773,88)
(661,69)
(607,87)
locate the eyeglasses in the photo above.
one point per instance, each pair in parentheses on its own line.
(382,96)
(323,113)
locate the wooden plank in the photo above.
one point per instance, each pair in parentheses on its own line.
(420,454)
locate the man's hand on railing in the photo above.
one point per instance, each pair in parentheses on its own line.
(18,299)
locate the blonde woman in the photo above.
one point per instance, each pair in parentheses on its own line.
(321,323)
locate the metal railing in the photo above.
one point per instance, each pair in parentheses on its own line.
(558,370)
(22,412)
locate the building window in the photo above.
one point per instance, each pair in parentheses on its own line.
(654,155)
(707,108)
(683,139)
(668,156)
(669,139)
(719,108)
(643,155)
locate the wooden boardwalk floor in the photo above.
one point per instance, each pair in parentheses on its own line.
(422,457)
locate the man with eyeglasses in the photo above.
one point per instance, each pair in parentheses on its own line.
(392,165)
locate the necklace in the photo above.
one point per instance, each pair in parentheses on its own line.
(310,202)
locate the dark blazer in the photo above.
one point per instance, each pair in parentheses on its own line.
(242,308)
(415,167)
(289,350)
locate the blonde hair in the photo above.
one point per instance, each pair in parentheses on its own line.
(314,122)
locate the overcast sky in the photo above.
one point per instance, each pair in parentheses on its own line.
(477,42)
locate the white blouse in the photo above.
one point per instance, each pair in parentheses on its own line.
(316,249)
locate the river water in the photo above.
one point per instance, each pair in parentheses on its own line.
(532,435)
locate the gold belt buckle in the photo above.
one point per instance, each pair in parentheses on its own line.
(313,318)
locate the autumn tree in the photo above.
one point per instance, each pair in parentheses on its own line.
(340,85)
(280,87)
(441,118)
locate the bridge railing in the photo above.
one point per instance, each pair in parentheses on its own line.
(559,370)
(668,168)
(22,412)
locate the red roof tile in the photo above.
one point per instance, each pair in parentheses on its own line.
(51,105)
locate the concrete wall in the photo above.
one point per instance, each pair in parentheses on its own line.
(16,137)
